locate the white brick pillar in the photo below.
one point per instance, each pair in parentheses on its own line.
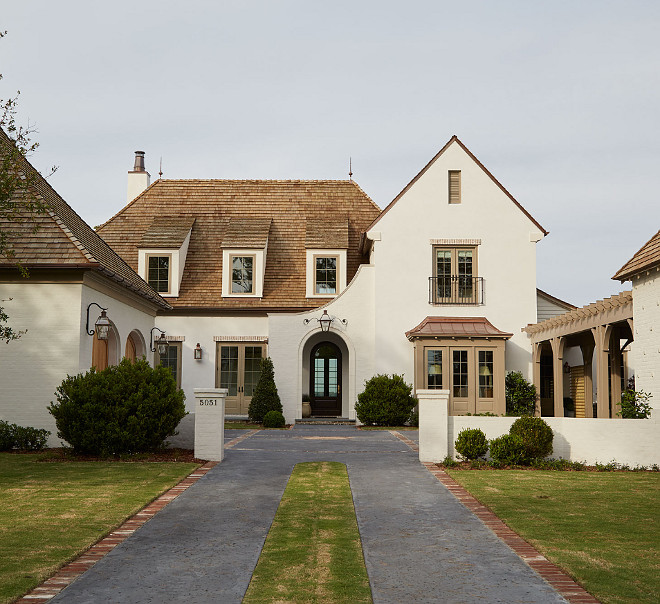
(433,424)
(210,423)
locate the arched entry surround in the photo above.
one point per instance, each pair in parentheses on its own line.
(347,370)
(106,352)
(136,347)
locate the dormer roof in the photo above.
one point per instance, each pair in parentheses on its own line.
(167,232)
(251,233)
(326,233)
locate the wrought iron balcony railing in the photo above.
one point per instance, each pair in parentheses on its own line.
(456,289)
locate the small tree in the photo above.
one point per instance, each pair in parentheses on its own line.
(265,397)
(520,395)
(385,401)
(635,405)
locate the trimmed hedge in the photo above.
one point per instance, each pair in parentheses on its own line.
(385,401)
(471,443)
(126,408)
(13,436)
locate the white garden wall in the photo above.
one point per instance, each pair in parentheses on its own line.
(646,349)
(627,441)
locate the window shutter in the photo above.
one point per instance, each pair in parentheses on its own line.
(454,186)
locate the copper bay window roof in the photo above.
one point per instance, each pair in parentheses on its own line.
(456,327)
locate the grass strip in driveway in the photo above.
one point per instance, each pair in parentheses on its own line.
(601,527)
(51,512)
(313,551)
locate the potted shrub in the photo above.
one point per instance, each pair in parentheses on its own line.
(306,406)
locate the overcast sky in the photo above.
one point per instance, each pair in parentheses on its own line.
(559,99)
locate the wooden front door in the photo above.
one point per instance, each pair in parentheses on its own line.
(325,380)
(238,367)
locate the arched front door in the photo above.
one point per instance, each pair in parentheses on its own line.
(325,378)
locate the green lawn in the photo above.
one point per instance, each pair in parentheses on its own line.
(50,512)
(313,551)
(237,425)
(603,528)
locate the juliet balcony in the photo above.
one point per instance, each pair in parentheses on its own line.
(456,289)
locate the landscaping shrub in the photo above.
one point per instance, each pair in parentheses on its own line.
(507,449)
(19,437)
(536,436)
(264,397)
(413,420)
(30,439)
(385,401)
(126,408)
(274,419)
(635,404)
(471,443)
(520,394)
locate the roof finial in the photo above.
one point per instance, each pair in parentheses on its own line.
(160,169)
(350,168)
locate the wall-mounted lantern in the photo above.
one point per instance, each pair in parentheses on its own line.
(197,352)
(325,320)
(161,343)
(102,325)
(567,367)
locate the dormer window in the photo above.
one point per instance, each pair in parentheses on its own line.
(159,275)
(162,253)
(326,243)
(244,247)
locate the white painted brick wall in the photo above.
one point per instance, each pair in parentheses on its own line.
(646,350)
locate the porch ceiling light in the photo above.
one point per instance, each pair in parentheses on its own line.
(325,320)
(102,325)
(161,343)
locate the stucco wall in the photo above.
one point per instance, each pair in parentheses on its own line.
(646,348)
(34,365)
(404,262)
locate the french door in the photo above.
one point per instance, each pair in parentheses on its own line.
(238,366)
(325,378)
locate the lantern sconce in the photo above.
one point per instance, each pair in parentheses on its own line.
(161,343)
(325,320)
(197,352)
(567,367)
(102,325)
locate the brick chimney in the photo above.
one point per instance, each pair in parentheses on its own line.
(138,177)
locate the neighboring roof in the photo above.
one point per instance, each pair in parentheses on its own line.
(219,207)
(64,240)
(455,139)
(557,301)
(247,232)
(456,327)
(326,233)
(578,315)
(167,232)
(648,256)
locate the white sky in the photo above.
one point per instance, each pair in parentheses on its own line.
(559,99)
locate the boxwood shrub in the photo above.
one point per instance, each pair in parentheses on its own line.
(274,419)
(126,408)
(507,449)
(385,401)
(535,434)
(471,443)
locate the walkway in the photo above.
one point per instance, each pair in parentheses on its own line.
(420,543)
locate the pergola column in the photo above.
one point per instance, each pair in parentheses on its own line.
(602,335)
(587,349)
(615,369)
(536,375)
(558,344)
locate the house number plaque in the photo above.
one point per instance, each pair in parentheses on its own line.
(208,402)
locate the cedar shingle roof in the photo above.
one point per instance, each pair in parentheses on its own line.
(648,256)
(64,240)
(326,234)
(219,207)
(456,327)
(247,232)
(167,232)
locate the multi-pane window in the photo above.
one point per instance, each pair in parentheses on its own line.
(158,273)
(434,369)
(485,374)
(455,270)
(252,368)
(172,360)
(242,274)
(325,279)
(229,369)
(460,373)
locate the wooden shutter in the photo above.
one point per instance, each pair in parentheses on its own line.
(454,186)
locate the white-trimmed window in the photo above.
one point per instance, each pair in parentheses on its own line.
(243,273)
(159,272)
(326,273)
(172,360)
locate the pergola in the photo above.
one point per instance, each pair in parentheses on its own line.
(597,329)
